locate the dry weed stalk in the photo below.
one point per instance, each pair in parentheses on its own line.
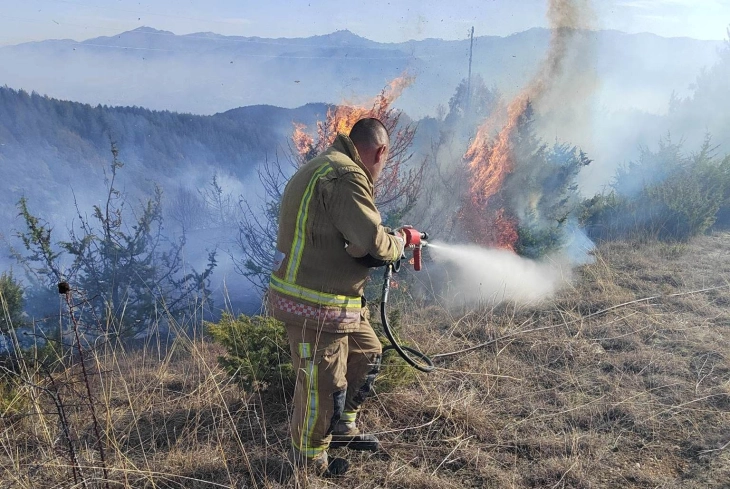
(65,289)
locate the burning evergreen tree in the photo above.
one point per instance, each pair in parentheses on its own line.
(527,195)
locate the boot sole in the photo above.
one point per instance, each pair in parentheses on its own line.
(361,446)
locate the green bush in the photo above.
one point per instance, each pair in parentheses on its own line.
(395,372)
(258,350)
(119,258)
(665,195)
(538,241)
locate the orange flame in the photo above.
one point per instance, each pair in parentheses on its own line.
(491,160)
(302,141)
(341,118)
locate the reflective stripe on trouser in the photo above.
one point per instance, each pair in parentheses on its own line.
(331,368)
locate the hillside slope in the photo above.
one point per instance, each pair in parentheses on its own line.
(621,381)
(56,152)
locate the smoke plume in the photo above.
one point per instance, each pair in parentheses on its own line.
(492,159)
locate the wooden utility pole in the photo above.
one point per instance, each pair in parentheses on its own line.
(468,80)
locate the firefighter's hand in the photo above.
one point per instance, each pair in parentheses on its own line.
(401,238)
(407,235)
(401,234)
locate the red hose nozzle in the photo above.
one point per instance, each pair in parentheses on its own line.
(415,240)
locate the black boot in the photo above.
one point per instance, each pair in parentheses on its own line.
(347,435)
(320,465)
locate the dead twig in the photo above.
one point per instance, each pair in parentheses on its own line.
(717,449)
(450,453)
(564,474)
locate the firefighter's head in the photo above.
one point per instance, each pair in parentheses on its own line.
(370,137)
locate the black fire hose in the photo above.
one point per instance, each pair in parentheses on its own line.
(426,364)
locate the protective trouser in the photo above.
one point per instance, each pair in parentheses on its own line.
(335,373)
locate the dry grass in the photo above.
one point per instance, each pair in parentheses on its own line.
(632,396)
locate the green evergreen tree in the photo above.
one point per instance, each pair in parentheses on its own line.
(130,274)
(541,193)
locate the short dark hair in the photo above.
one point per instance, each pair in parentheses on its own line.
(369,133)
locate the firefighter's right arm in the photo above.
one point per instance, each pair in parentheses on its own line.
(352,209)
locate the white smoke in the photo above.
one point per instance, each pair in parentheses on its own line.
(475,274)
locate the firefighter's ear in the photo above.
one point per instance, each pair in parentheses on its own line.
(381,154)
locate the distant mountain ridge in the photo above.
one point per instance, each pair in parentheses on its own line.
(205,73)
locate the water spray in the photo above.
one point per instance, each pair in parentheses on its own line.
(475,273)
(415,241)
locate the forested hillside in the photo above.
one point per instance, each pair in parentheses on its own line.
(49,148)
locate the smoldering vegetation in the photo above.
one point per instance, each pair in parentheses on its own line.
(56,155)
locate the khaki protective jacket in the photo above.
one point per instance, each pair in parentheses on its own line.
(327,219)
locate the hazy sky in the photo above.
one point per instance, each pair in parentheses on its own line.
(381,20)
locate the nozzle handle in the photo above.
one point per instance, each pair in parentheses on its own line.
(417,259)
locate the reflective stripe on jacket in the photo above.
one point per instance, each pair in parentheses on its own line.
(327,204)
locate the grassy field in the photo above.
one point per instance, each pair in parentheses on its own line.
(622,380)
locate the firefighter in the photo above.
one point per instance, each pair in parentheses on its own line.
(330,233)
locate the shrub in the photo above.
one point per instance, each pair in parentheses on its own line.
(395,371)
(664,195)
(118,258)
(538,241)
(258,350)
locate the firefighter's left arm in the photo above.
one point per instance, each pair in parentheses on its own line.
(351,207)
